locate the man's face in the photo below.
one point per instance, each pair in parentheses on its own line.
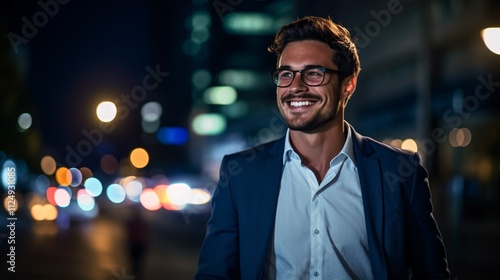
(310,108)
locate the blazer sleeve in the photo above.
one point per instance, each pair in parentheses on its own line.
(219,254)
(427,255)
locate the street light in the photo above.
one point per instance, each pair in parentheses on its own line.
(491,38)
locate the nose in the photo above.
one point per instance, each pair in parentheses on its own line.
(297,84)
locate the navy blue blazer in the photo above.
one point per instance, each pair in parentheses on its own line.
(403,237)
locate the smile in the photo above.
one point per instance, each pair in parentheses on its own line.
(301,103)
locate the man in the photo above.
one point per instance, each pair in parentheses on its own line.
(323,202)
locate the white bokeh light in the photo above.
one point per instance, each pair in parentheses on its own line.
(106,111)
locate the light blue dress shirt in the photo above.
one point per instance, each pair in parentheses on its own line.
(320,230)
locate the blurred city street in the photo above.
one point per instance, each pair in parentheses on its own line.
(99,249)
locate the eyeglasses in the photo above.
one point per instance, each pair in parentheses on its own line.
(313,76)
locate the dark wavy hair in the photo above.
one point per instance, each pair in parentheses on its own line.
(323,30)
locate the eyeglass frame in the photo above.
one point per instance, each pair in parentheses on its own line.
(323,69)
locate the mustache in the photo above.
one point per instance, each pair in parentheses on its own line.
(289,96)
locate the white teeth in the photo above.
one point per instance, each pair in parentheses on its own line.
(301,103)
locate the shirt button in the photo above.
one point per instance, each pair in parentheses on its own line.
(316,273)
(316,231)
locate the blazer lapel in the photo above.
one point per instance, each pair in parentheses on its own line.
(265,201)
(370,177)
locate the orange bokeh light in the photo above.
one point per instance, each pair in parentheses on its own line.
(139,158)
(63,176)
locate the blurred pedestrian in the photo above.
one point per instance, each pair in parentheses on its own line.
(137,237)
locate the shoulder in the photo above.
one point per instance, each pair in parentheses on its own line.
(383,148)
(271,149)
(388,154)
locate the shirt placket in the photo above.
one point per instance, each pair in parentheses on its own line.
(316,224)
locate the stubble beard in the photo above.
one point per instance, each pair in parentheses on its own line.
(316,122)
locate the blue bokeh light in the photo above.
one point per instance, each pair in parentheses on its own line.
(172,135)
(116,193)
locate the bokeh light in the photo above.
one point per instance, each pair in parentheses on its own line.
(161,192)
(151,111)
(45,212)
(9,174)
(86,173)
(84,200)
(106,111)
(125,180)
(63,176)
(139,158)
(409,145)
(397,143)
(172,135)
(199,18)
(50,194)
(109,164)
(10,203)
(179,193)
(200,196)
(133,189)
(37,212)
(116,193)
(48,165)
(249,23)
(50,212)
(76,177)
(62,197)
(460,137)
(149,200)
(209,124)
(150,127)
(491,38)
(93,186)
(42,183)
(24,121)
(200,35)
(241,79)
(201,79)
(220,95)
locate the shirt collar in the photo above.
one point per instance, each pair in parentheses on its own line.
(347,149)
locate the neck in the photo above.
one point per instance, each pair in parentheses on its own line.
(317,149)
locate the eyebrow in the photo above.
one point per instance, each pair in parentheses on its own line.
(287,67)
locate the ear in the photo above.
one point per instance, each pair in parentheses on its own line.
(348,86)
